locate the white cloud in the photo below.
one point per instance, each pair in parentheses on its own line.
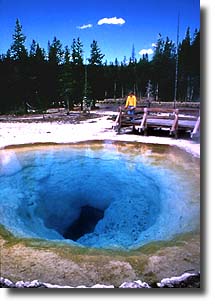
(146,51)
(113,20)
(154,44)
(84,26)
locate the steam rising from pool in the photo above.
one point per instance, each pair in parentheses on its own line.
(102,195)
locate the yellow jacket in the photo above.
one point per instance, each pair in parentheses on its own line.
(131,101)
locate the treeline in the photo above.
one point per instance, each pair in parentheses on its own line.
(40,79)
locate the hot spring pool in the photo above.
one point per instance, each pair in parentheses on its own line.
(99,194)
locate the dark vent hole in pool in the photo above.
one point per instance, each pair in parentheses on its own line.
(86,223)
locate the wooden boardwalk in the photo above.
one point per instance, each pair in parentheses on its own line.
(170,119)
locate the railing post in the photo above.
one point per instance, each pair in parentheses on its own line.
(174,128)
(143,125)
(116,123)
(196,128)
(120,119)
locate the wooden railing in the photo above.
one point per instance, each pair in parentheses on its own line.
(173,120)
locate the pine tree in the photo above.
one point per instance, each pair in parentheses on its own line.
(195,66)
(163,68)
(124,62)
(185,67)
(133,55)
(67,85)
(159,48)
(17,49)
(33,48)
(55,60)
(66,55)
(37,75)
(95,73)
(95,55)
(55,52)
(36,52)
(77,78)
(18,76)
(77,52)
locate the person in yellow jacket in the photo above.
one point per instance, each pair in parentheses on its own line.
(131,103)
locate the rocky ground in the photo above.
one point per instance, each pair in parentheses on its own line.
(187,280)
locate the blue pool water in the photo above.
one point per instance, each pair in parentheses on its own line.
(102,195)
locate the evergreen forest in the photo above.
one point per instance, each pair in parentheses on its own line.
(59,76)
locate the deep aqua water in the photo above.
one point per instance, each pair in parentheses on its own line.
(103,195)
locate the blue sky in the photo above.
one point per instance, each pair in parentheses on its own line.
(115,24)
